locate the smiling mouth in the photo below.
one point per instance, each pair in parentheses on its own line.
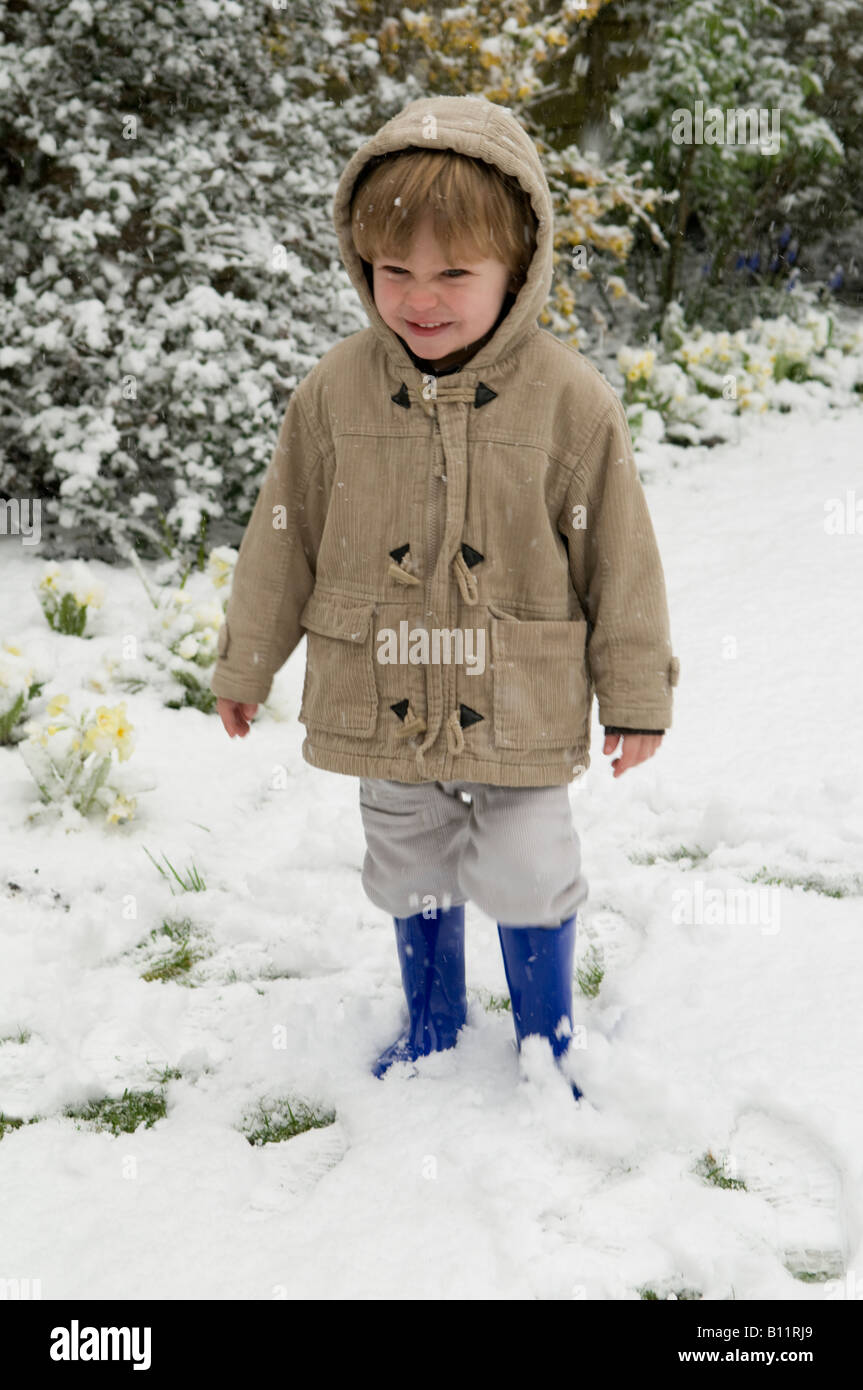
(426,326)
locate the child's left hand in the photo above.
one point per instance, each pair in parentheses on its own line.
(636,749)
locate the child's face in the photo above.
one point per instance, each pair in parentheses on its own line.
(464,297)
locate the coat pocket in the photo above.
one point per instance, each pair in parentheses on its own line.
(339,692)
(541,685)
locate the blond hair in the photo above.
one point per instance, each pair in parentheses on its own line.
(477,210)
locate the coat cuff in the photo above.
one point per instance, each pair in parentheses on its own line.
(615,729)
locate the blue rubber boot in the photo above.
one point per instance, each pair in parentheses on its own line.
(431,959)
(538,965)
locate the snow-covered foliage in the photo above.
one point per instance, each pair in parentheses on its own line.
(73,758)
(827,38)
(20,682)
(66,592)
(687,386)
(177,654)
(729,56)
(169,267)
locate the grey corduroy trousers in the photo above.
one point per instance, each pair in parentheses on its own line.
(513,851)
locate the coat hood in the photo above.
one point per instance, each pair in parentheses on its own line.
(470,126)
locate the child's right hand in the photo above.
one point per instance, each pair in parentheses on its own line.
(235,716)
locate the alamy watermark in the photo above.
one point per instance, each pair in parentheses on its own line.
(17,1289)
(722,907)
(419,646)
(733,126)
(21,517)
(844,517)
(77,1343)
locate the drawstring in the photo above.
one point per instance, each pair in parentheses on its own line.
(466,581)
(454,735)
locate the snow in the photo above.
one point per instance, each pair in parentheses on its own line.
(467,1180)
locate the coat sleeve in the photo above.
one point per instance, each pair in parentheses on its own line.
(617,575)
(275,570)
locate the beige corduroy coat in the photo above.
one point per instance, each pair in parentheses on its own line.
(471,556)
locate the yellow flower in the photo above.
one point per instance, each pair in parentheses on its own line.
(221,563)
(8,647)
(122,809)
(208,615)
(91,597)
(111,729)
(49,577)
(636,367)
(57,705)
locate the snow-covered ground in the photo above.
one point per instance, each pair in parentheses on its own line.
(708,1034)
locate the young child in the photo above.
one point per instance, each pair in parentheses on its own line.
(453,517)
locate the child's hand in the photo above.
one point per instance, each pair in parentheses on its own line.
(636,749)
(236,716)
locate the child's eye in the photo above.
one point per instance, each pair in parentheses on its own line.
(400,270)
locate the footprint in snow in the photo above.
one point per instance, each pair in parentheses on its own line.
(789,1166)
(295,1166)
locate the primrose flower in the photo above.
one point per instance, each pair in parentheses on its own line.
(101,681)
(15,673)
(208,615)
(66,592)
(121,809)
(111,729)
(57,705)
(636,366)
(51,574)
(90,596)
(220,564)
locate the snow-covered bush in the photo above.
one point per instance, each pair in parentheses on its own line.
(732,56)
(66,592)
(169,269)
(73,761)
